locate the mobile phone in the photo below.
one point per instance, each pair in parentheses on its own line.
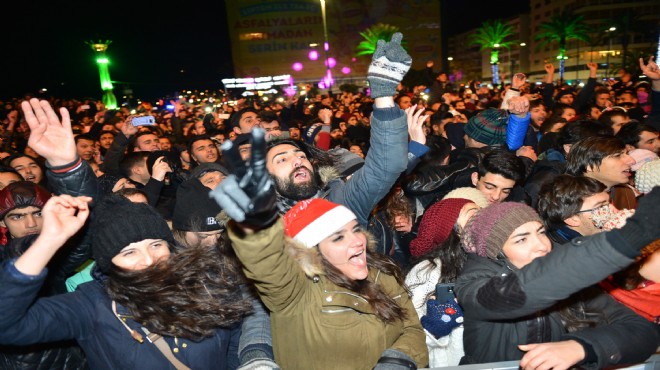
(143,121)
(223,116)
(444,292)
(84,107)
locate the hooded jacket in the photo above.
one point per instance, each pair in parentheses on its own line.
(315,323)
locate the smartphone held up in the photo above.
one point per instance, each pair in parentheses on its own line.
(143,121)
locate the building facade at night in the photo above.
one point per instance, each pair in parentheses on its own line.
(635,23)
(269,37)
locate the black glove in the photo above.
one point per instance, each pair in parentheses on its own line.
(392,359)
(248,194)
(642,228)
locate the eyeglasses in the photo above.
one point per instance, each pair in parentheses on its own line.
(594,209)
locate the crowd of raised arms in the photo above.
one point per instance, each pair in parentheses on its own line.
(399,227)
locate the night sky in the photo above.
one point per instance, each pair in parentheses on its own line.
(155,50)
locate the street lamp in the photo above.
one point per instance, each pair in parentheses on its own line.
(609,50)
(328,78)
(512,62)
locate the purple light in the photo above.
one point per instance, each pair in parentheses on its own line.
(297,66)
(322,85)
(326,46)
(290,91)
(345,70)
(353,59)
(313,55)
(328,80)
(331,62)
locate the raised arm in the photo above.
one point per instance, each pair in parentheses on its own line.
(548,86)
(387,156)
(63,216)
(587,92)
(652,71)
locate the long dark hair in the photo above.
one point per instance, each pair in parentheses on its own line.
(387,309)
(451,254)
(193,293)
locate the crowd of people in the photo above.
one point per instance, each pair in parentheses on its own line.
(399,227)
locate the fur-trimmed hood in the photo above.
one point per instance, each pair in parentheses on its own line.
(328,174)
(310,259)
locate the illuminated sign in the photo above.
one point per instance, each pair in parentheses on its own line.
(256,83)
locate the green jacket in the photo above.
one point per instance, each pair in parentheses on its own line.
(316,324)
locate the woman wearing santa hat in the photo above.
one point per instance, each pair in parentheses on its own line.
(335,304)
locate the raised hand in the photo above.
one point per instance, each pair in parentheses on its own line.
(519,105)
(63,216)
(593,69)
(651,71)
(248,194)
(160,168)
(549,68)
(416,120)
(49,137)
(127,127)
(518,80)
(389,64)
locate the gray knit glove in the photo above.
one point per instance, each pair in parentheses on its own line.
(388,66)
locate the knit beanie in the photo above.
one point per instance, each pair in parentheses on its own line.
(118,222)
(194,210)
(455,133)
(313,220)
(348,163)
(488,126)
(488,230)
(562,93)
(648,176)
(436,224)
(641,156)
(22,194)
(470,193)
(203,168)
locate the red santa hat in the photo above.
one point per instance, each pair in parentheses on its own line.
(313,220)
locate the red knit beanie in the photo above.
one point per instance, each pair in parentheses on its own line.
(313,220)
(436,224)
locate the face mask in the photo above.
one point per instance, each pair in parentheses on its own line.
(608,218)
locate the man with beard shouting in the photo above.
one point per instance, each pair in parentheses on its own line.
(302,172)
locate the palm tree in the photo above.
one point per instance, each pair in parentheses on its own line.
(491,35)
(561,28)
(371,35)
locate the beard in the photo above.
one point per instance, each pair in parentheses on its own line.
(289,189)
